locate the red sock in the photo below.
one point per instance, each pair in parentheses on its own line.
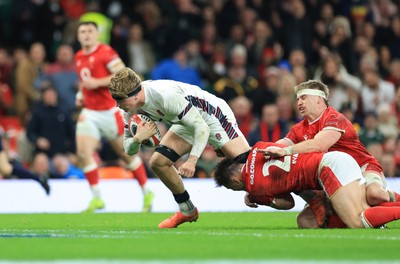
(140,174)
(389,204)
(379,215)
(92,176)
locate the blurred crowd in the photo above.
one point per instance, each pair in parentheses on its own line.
(249,52)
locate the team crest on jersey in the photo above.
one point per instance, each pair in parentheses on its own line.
(160,113)
(218,136)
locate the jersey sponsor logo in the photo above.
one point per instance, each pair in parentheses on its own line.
(252,165)
(331,123)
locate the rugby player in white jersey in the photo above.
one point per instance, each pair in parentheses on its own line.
(197,118)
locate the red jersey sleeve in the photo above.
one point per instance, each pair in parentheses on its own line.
(335,121)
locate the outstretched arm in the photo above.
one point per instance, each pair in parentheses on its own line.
(194,120)
(320,143)
(281,202)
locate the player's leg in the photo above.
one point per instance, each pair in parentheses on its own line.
(370,217)
(136,165)
(340,177)
(171,148)
(349,204)
(376,192)
(87,141)
(236,148)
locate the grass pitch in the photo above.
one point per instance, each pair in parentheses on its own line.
(216,237)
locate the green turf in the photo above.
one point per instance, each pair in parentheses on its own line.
(216,236)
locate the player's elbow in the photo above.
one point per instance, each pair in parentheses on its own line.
(321,147)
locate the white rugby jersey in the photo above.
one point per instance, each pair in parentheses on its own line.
(168,101)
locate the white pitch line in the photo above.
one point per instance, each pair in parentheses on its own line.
(209,261)
(10,233)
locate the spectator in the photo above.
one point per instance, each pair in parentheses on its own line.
(349,113)
(5,67)
(41,165)
(177,69)
(376,150)
(267,91)
(241,107)
(26,73)
(394,72)
(387,122)
(297,28)
(62,75)
(51,129)
(385,62)
(196,60)
(369,133)
(376,91)
(340,41)
(388,165)
(140,54)
(64,169)
(6,99)
(270,128)
(263,38)
(343,87)
(238,80)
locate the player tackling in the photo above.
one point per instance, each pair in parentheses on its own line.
(269,181)
(197,118)
(325,129)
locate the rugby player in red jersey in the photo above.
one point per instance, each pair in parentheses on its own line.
(96,64)
(325,129)
(269,181)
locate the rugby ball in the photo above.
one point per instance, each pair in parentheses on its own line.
(135,120)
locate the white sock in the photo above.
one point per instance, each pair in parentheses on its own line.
(187,208)
(95,191)
(145,189)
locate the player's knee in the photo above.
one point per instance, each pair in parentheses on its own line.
(376,194)
(306,219)
(165,157)
(158,163)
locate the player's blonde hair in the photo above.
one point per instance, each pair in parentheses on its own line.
(313,84)
(124,82)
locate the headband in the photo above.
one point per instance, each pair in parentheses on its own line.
(133,93)
(311,92)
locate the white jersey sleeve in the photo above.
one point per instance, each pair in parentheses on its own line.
(130,147)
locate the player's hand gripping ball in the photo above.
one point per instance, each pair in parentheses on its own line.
(134,122)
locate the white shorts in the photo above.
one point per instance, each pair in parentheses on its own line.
(107,123)
(221,130)
(338,169)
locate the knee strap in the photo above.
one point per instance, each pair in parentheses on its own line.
(167,152)
(242,158)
